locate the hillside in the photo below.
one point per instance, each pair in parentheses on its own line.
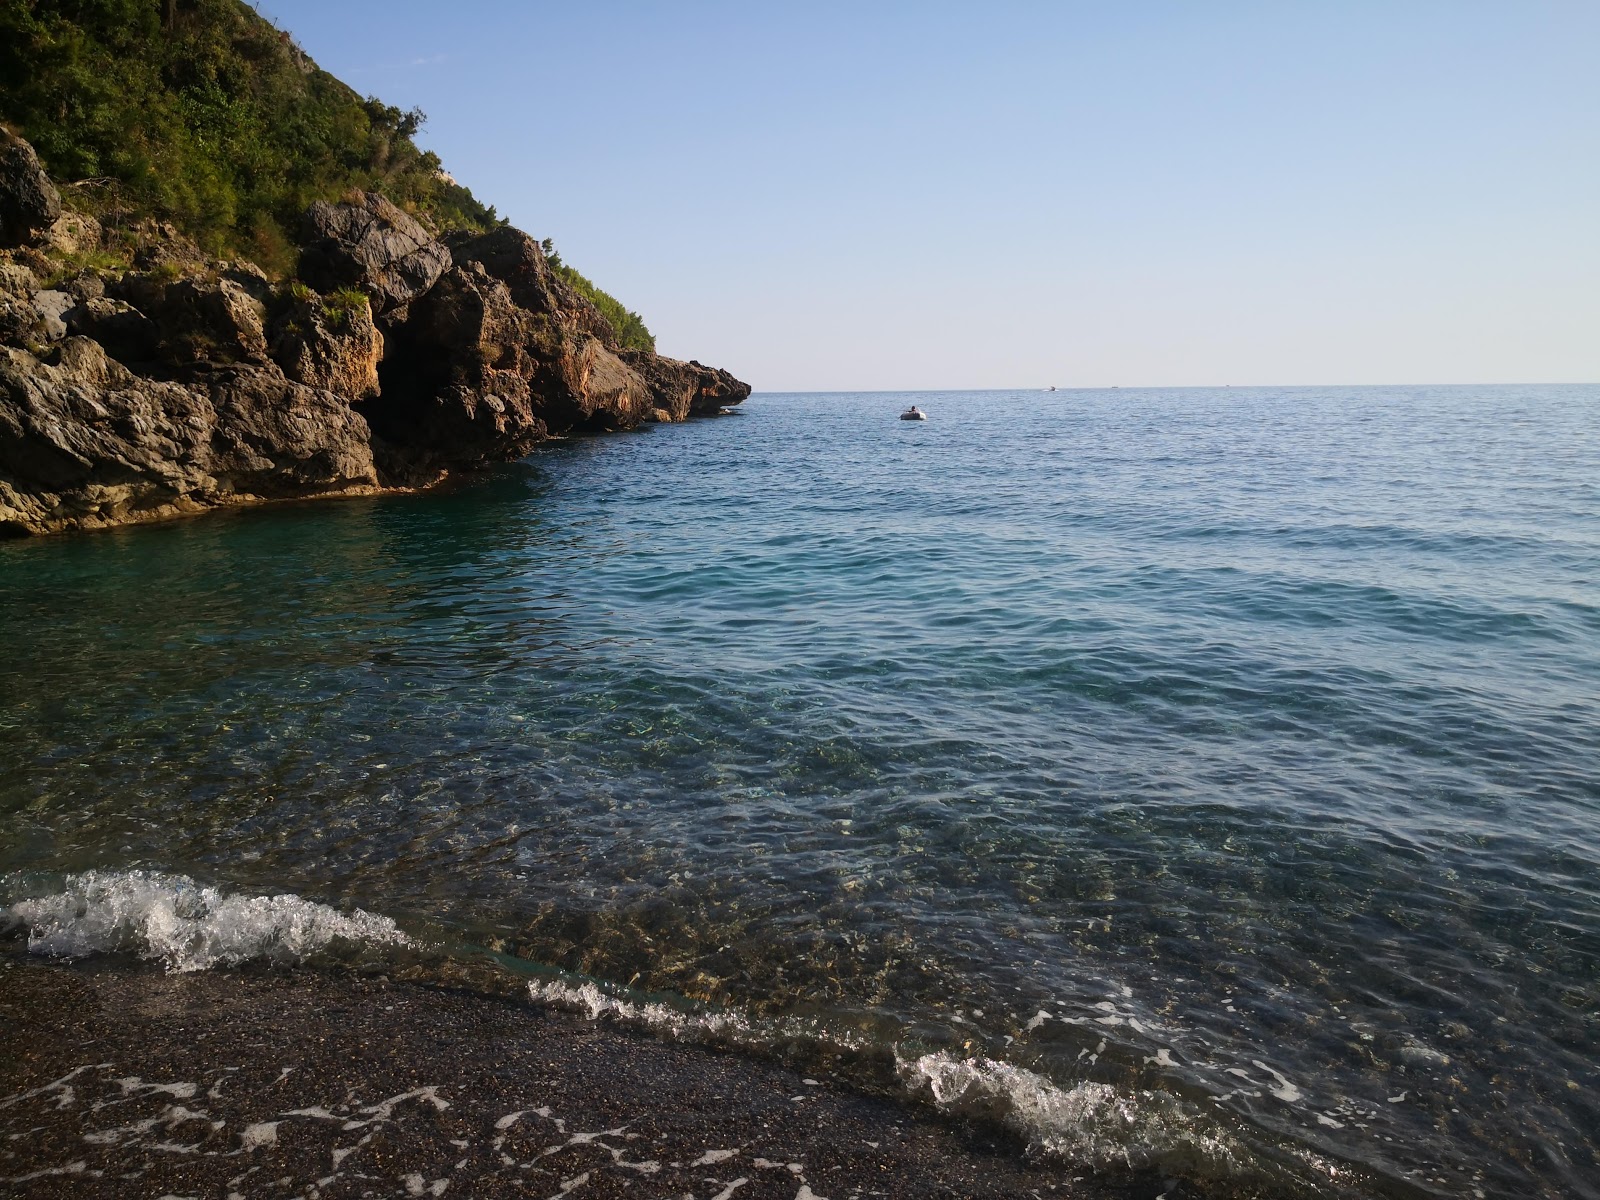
(203,114)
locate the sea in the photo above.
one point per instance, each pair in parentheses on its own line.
(1205,780)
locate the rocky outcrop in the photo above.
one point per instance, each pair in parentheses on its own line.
(517,261)
(85,443)
(456,383)
(374,246)
(679,390)
(29,202)
(188,383)
(337,348)
(202,320)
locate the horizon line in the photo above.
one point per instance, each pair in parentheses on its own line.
(1151,387)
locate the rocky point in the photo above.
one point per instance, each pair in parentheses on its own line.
(179,383)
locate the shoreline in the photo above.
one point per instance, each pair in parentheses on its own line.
(272,1082)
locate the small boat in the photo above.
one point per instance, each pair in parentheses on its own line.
(913,414)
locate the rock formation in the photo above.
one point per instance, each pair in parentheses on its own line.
(29,202)
(187,383)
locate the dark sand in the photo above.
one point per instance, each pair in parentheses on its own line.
(126,1082)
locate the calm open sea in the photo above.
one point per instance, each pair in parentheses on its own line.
(1208,778)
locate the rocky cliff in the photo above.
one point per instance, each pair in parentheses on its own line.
(174,382)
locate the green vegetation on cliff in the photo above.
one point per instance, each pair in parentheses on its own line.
(630,327)
(203,113)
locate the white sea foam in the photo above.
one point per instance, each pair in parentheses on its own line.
(186,925)
(1089,1122)
(667,1021)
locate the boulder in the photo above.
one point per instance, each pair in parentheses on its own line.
(29,202)
(86,443)
(337,348)
(17,280)
(20,322)
(374,246)
(52,307)
(158,247)
(679,390)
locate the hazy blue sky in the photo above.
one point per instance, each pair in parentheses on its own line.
(882,195)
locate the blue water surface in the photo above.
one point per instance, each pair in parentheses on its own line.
(1238,748)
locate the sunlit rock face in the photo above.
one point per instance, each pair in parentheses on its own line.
(138,394)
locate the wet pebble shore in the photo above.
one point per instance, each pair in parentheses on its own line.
(120,1082)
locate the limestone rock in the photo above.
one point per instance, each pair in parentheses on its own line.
(589,387)
(202,321)
(374,246)
(86,443)
(337,349)
(29,202)
(20,322)
(683,389)
(517,261)
(52,307)
(160,248)
(73,233)
(455,392)
(16,280)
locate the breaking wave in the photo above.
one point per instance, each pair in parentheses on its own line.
(186,925)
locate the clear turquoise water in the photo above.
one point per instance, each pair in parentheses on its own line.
(1230,758)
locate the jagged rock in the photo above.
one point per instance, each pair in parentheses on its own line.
(86,285)
(517,261)
(374,246)
(683,389)
(202,321)
(159,392)
(249,277)
(29,202)
(17,280)
(337,349)
(476,377)
(126,333)
(588,387)
(86,443)
(456,390)
(20,322)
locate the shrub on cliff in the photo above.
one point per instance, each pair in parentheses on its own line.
(630,326)
(202,113)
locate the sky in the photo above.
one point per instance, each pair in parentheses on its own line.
(881,195)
